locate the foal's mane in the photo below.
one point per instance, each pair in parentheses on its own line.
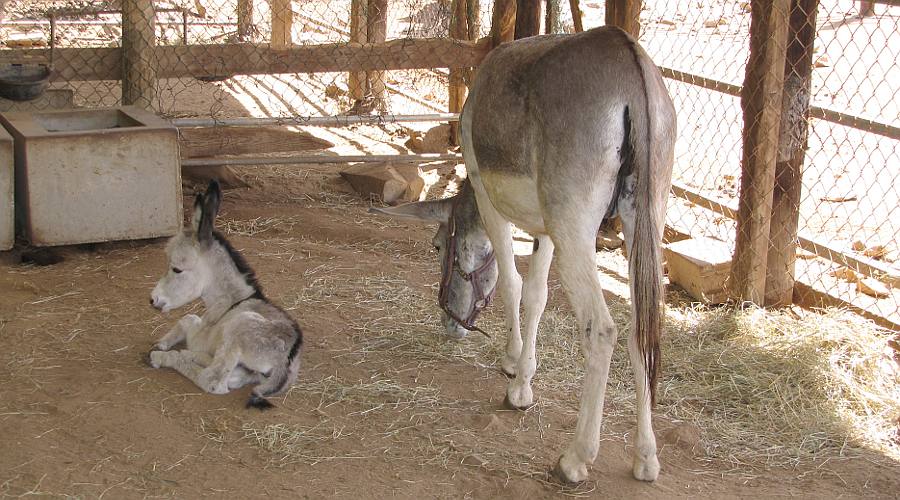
(241,264)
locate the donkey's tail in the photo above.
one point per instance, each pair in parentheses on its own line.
(280,379)
(644,255)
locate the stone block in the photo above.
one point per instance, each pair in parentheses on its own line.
(701,266)
(95,175)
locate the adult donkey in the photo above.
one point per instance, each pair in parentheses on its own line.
(559,133)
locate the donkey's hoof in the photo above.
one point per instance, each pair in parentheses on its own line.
(559,473)
(508,404)
(508,374)
(646,470)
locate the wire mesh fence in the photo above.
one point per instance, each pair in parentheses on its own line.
(280,58)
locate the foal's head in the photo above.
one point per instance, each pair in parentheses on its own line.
(189,272)
(468,269)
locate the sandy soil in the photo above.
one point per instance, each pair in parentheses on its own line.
(81,415)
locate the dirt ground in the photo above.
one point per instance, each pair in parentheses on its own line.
(377,412)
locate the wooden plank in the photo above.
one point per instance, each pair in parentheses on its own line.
(761,103)
(139,64)
(317,159)
(282,22)
(182,61)
(792,144)
(200,142)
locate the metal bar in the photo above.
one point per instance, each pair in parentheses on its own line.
(317,159)
(830,115)
(315,121)
(860,264)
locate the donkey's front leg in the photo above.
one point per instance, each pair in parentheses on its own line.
(519,394)
(186,326)
(509,282)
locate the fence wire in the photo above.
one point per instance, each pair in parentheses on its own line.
(848,208)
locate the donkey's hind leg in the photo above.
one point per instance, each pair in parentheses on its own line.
(519,394)
(645,466)
(578,272)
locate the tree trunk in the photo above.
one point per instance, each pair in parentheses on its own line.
(761,99)
(357,83)
(576,15)
(625,14)
(139,64)
(503,21)
(528,18)
(552,20)
(791,153)
(377,32)
(245,26)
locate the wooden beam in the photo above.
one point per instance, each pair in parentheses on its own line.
(625,14)
(792,143)
(183,61)
(203,142)
(139,64)
(282,22)
(761,99)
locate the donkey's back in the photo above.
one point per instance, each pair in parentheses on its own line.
(552,114)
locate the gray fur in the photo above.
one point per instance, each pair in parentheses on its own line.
(559,132)
(242,338)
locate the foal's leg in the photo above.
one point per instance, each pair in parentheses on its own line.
(185,326)
(519,394)
(499,231)
(578,272)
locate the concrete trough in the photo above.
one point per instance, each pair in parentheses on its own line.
(94,175)
(7,206)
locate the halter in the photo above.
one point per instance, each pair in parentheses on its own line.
(450,265)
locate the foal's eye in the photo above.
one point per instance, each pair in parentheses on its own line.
(176,270)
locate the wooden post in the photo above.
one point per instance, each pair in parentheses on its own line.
(473,19)
(791,153)
(139,64)
(552,19)
(377,33)
(761,99)
(528,18)
(576,15)
(503,21)
(625,14)
(245,26)
(357,83)
(282,21)
(457,88)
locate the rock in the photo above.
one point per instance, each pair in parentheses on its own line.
(822,61)
(876,252)
(494,424)
(684,435)
(845,274)
(608,240)
(228,178)
(332,91)
(873,288)
(474,460)
(391,183)
(436,140)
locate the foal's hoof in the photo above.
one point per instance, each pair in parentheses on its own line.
(510,406)
(147,360)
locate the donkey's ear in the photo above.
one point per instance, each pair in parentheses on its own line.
(208,207)
(427,211)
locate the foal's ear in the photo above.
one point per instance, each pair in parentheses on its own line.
(427,211)
(206,207)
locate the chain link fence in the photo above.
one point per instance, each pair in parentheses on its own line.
(221,59)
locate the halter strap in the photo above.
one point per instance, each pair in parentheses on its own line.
(450,266)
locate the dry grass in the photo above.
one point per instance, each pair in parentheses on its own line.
(766,388)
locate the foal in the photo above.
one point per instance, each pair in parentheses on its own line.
(242,338)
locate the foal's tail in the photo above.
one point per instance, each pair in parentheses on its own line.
(280,379)
(644,256)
